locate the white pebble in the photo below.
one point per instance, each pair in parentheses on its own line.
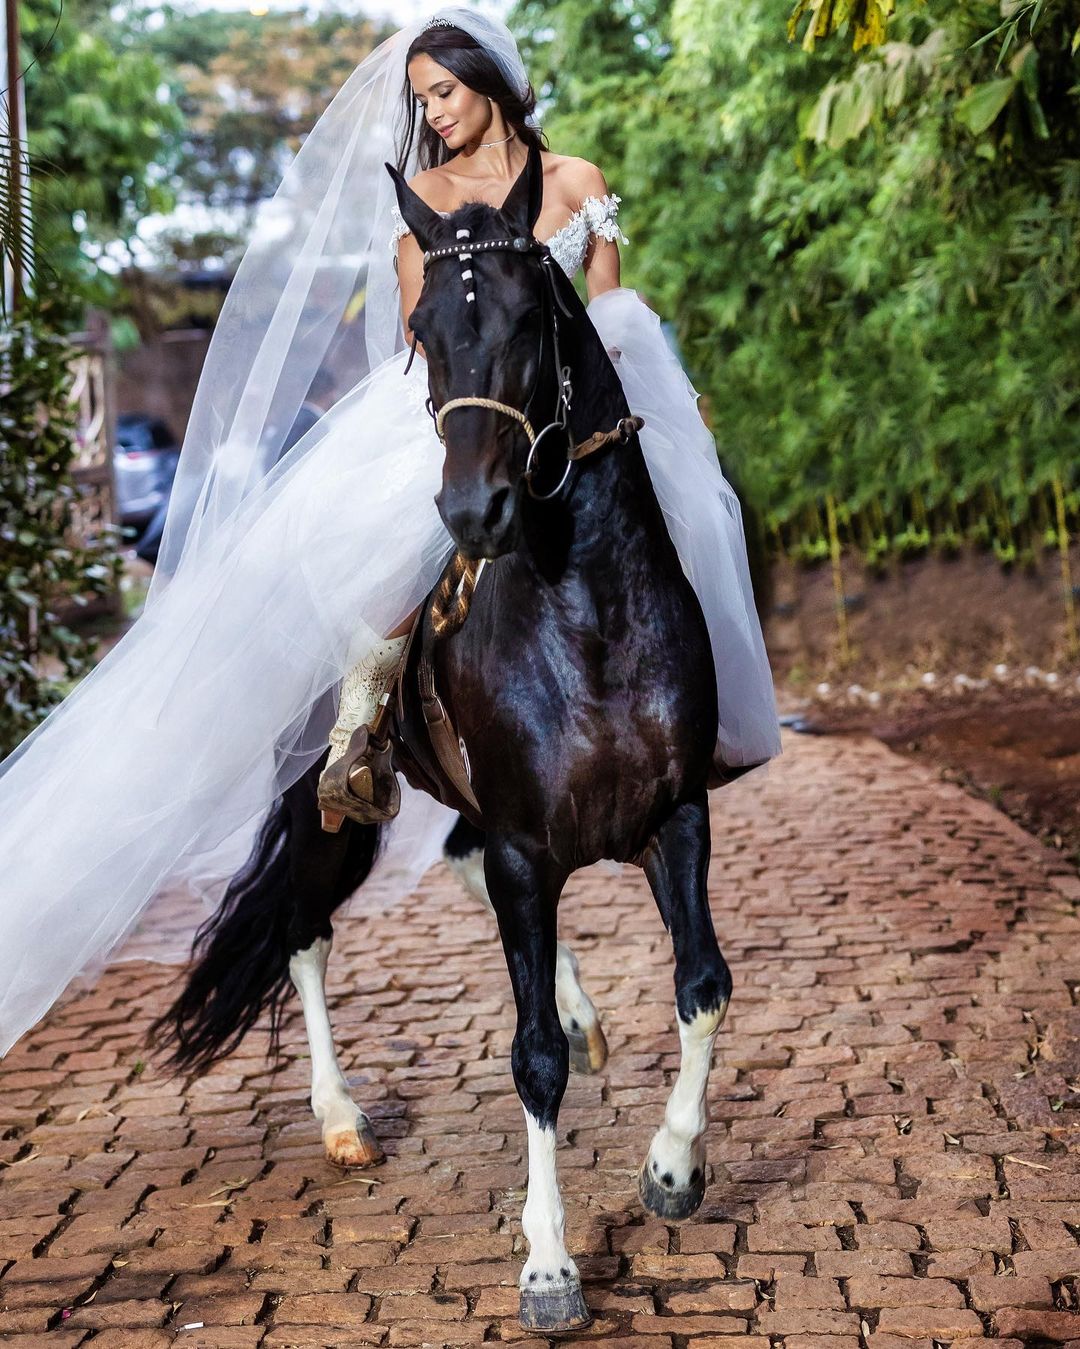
(823,689)
(928,678)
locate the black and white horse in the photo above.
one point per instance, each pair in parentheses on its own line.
(582,683)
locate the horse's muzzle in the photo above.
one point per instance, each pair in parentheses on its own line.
(481,518)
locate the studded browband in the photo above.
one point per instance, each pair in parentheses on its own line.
(520,243)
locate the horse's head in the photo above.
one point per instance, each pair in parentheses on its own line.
(486,346)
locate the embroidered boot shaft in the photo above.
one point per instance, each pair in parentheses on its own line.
(361,690)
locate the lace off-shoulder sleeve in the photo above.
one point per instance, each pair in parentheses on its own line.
(399,229)
(601,214)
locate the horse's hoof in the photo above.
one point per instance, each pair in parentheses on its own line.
(332,820)
(556,1311)
(588,1049)
(670,1204)
(353,1148)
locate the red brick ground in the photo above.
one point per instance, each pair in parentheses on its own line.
(895,1143)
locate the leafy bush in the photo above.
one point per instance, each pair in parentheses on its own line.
(41,565)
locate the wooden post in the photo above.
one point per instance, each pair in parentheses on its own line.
(17,257)
(838,580)
(1072,637)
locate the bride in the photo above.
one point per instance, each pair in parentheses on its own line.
(295,553)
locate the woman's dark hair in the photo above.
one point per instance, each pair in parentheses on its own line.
(461,54)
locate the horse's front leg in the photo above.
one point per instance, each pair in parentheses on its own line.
(525,890)
(676,862)
(464,854)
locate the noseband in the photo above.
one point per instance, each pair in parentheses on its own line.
(523,246)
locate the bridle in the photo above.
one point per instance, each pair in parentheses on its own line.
(523,246)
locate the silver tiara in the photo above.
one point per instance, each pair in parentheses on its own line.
(432,23)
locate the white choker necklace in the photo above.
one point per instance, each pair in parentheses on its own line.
(487,145)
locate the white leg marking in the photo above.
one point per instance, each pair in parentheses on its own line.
(574,1003)
(549,1267)
(341,1119)
(677,1154)
(470,872)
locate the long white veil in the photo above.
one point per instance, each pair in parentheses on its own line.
(157,770)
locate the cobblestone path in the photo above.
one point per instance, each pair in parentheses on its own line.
(894,1153)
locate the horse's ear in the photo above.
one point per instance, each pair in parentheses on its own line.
(523,201)
(417,214)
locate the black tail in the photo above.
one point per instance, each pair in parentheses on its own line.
(240,955)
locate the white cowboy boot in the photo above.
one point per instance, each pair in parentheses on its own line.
(349,790)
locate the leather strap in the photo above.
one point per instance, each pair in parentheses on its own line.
(618,435)
(442,735)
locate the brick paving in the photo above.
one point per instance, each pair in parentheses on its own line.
(894,1153)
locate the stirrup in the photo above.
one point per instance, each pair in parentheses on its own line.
(361,785)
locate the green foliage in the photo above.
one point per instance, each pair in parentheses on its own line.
(39,565)
(100,133)
(873,264)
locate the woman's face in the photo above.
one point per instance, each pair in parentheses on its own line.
(456,112)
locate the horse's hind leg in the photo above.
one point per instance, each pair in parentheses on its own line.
(326,870)
(578,1016)
(525,890)
(676,862)
(464,853)
(346,1131)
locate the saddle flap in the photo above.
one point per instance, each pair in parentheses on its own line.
(416,675)
(443,737)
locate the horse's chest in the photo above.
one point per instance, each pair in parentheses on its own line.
(586,735)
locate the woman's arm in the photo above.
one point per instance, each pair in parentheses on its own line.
(601,265)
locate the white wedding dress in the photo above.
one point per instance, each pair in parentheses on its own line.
(159,767)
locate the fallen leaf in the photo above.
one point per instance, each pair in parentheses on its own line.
(230,1185)
(1035,1166)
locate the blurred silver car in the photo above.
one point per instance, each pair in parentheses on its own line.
(144,458)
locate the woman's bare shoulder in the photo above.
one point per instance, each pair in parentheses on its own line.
(579,177)
(432,186)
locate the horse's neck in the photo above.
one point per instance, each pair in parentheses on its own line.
(607,516)
(608,513)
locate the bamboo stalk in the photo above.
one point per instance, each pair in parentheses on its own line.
(838,580)
(1072,638)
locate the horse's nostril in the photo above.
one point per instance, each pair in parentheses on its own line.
(497,505)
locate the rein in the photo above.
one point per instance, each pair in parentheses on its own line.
(450,606)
